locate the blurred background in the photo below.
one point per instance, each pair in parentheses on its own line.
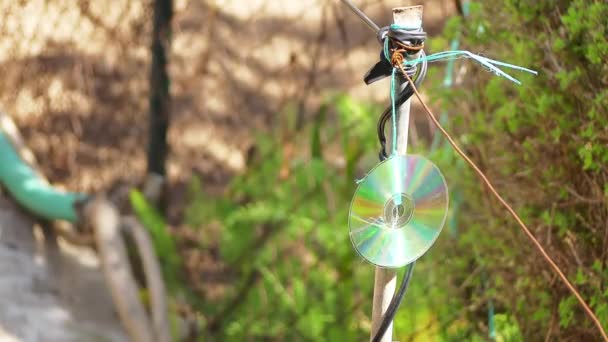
(269,124)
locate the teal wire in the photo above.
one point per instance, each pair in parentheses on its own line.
(449,74)
(386,52)
(466,8)
(491,322)
(402,27)
(491,64)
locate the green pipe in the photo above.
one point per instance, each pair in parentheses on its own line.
(31,191)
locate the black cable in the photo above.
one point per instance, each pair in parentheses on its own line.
(391,311)
(401,98)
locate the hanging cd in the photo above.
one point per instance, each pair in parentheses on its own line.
(398,211)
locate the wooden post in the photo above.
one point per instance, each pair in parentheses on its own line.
(385,280)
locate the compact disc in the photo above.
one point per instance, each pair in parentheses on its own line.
(398,211)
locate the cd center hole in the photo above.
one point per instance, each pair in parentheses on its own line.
(398,211)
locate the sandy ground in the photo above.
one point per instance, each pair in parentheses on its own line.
(49,291)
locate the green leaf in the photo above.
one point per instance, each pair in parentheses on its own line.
(316,148)
(566,311)
(162,240)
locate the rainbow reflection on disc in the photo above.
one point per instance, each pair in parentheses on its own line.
(398,211)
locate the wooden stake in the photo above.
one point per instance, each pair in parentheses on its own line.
(385,280)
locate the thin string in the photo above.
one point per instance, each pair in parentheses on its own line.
(490,64)
(523,226)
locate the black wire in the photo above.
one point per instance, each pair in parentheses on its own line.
(418,76)
(391,311)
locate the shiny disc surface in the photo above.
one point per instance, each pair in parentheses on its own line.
(398,211)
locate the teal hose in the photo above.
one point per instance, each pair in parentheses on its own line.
(31,191)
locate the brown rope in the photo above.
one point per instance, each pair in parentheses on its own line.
(523,226)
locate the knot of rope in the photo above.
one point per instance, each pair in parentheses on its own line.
(400,45)
(397,58)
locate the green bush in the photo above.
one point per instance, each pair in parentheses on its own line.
(281,227)
(285,235)
(545,145)
(283,230)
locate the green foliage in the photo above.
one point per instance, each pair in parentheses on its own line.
(170,260)
(285,234)
(507,329)
(281,226)
(164,244)
(282,233)
(566,311)
(544,144)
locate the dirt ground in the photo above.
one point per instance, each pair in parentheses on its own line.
(48,288)
(75,79)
